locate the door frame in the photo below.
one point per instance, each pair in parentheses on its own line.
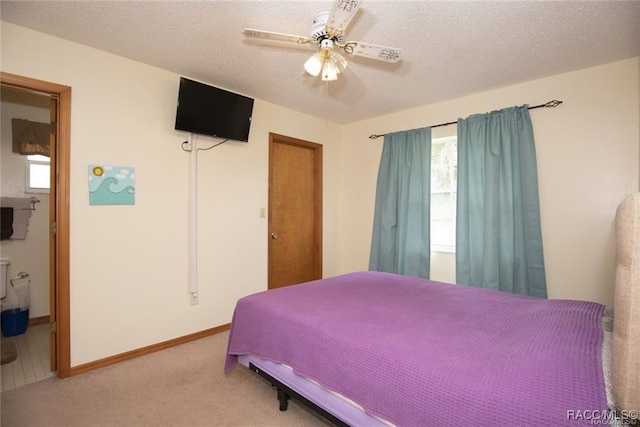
(59,299)
(275,138)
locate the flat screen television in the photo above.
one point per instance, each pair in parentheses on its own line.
(208,110)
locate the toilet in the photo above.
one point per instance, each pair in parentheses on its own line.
(13,320)
(4,267)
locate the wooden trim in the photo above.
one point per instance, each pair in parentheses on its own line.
(34,321)
(53,181)
(146,350)
(63,227)
(318,208)
(28,83)
(61,314)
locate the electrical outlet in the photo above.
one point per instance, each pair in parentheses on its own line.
(194,299)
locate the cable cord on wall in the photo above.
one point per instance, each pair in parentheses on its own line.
(214,145)
(202,149)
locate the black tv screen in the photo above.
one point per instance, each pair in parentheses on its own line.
(208,110)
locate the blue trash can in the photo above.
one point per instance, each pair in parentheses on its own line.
(14,322)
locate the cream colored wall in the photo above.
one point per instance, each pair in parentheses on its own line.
(129,264)
(587,151)
(31,254)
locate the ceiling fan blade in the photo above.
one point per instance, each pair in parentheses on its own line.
(270,35)
(374,51)
(341,14)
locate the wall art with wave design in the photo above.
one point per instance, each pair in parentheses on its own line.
(111,185)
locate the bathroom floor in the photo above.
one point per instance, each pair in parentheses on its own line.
(32,363)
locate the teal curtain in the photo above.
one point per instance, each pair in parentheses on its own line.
(499,238)
(400,241)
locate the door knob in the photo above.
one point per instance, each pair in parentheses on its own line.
(274,236)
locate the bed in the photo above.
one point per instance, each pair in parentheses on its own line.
(370,348)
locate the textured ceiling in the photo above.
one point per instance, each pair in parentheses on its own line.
(451,48)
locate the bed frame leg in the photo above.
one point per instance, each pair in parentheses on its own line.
(283,397)
(285,393)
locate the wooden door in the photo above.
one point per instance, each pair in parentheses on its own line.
(295,211)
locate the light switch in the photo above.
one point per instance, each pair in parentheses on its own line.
(263,212)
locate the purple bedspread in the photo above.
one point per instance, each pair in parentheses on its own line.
(424,353)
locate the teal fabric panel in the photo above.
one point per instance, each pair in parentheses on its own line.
(400,240)
(499,237)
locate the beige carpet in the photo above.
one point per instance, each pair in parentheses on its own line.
(180,386)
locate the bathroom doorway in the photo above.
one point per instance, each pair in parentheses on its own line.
(58,215)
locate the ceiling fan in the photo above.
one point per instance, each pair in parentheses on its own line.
(328,32)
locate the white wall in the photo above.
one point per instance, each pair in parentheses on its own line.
(32,253)
(587,151)
(129,264)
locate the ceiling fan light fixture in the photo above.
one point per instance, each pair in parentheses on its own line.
(329,72)
(313,65)
(327,61)
(337,61)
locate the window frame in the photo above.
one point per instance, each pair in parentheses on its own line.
(452,191)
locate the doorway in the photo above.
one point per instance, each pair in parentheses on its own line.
(295,211)
(59,313)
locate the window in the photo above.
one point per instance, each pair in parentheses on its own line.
(444,177)
(38,173)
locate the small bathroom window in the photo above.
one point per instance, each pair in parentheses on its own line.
(38,173)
